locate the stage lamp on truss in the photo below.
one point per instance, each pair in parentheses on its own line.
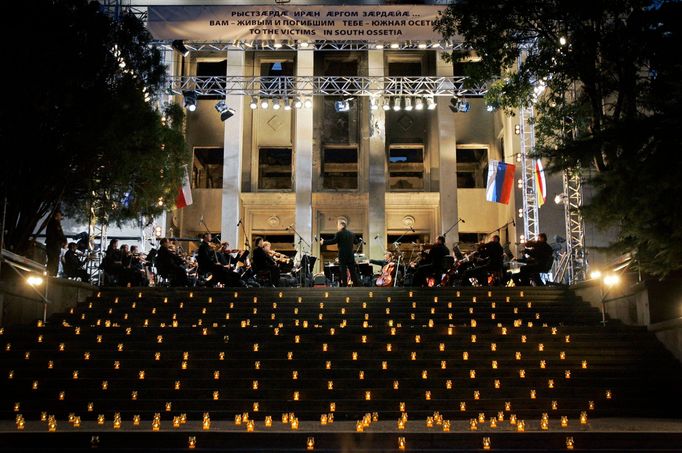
(253,105)
(430,103)
(287,104)
(298,103)
(179,46)
(264,104)
(386,104)
(419,104)
(308,103)
(373,103)
(276,104)
(408,104)
(396,104)
(225,111)
(190,100)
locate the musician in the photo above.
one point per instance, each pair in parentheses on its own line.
(388,258)
(539,257)
(112,264)
(432,265)
(73,267)
(345,239)
(54,242)
(209,263)
(170,265)
(489,259)
(263,261)
(387,272)
(136,266)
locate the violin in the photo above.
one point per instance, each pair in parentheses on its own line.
(279,257)
(386,277)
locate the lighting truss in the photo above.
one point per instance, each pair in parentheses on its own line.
(531,218)
(291,86)
(575,227)
(271,45)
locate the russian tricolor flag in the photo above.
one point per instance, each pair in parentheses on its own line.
(500,181)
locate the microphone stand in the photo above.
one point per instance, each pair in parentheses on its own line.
(301,241)
(453,225)
(500,228)
(396,244)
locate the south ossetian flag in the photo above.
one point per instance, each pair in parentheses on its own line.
(500,181)
(540,182)
(184,197)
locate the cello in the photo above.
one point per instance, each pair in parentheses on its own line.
(386,277)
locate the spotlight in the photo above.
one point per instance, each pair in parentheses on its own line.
(276,104)
(34,280)
(342,106)
(422,45)
(308,103)
(287,104)
(298,103)
(459,105)
(373,104)
(408,104)
(179,46)
(517,129)
(395,45)
(303,44)
(264,104)
(396,104)
(277,45)
(489,108)
(419,104)
(611,280)
(387,104)
(225,111)
(253,105)
(380,46)
(560,198)
(430,103)
(562,41)
(190,100)
(595,275)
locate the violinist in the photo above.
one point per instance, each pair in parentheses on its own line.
(432,266)
(488,260)
(210,263)
(263,261)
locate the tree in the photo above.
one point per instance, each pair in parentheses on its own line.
(78,128)
(605,79)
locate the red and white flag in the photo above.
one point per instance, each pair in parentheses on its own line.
(184,197)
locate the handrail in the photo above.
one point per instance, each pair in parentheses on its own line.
(20,263)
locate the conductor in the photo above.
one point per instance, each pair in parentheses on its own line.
(345,240)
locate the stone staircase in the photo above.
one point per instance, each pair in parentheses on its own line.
(355,369)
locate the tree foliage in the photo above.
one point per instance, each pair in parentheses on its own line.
(605,79)
(78,128)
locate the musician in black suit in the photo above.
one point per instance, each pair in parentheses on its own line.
(54,242)
(209,263)
(433,263)
(263,262)
(73,266)
(345,239)
(539,257)
(170,265)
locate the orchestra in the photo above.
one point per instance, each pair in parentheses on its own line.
(216,264)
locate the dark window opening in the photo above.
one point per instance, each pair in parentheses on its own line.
(207,170)
(406,168)
(274,168)
(340,168)
(472,168)
(211,69)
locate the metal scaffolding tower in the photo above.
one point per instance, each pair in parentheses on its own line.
(530,214)
(575,227)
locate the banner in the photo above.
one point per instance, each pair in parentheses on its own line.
(373,23)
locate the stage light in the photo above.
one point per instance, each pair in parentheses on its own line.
(179,46)
(253,105)
(308,103)
(387,104)
(396,104)
(264,104)
(611,280)
(422,45)
(303,44)
(562,41)
(517,129)
(373,103)
(430,103)
(594,275)
(34,280)
(277,45)
(190,100)
(342,105)
(225,111)
(395,45)
(380,46)
(298,103)
(489,108)
(276,104)
(560,198)
(408,105)
(287,104)
(419,104)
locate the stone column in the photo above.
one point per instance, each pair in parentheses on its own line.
(447,158)
(232,154)
(303,152)
(377,163)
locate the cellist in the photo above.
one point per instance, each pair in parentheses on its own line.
(387,270)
